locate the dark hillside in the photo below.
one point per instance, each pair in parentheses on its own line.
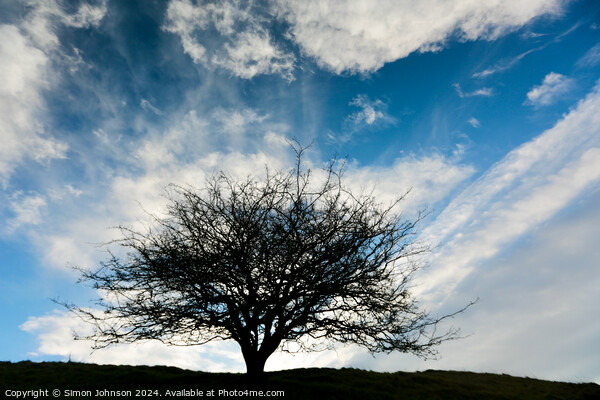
(76,380)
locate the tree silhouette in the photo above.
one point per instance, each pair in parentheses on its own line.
(290,262)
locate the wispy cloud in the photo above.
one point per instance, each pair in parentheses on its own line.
(371,114)
(370,111)
(43,15)
(553,86)
(27,210)
(474,122)
(87,15)
(146,105)
(508,63)
(503,65)
(591,58)
(253,53)
(237,122)
(485,92)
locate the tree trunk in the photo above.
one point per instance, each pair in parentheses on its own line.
(255,362)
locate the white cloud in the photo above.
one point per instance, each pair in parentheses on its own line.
(429,178)
(369,110)
(26,55)
(192,137)
(23,75)
(43,15)
(27,210)
(361,36)
(371,113)
(481,92)
(242,45)
(237,122)
(253,53)
(55,335)
(86,16)
(553,86)
(474,122)
(61,251)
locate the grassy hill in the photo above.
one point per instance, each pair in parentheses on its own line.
(76,380)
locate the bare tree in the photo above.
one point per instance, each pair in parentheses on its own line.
(284,263)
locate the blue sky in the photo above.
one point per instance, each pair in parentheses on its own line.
(489,111)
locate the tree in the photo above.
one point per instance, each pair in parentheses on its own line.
(284,263)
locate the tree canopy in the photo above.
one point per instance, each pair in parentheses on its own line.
(294,261)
